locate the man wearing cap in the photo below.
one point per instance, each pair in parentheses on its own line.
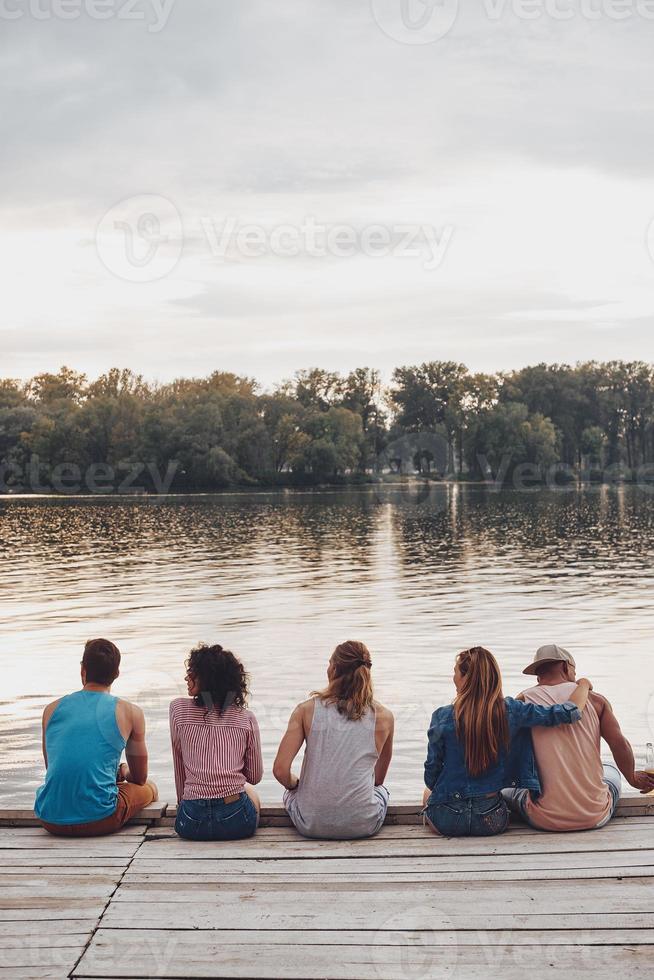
(578,791)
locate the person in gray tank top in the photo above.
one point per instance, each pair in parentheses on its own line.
(348,739)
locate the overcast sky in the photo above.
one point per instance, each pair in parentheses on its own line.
(523,148)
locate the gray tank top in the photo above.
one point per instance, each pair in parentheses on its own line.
(336,797)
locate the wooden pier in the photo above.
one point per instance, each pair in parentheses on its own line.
(405,904)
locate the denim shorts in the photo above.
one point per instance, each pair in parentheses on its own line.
(477,816)
(215,820)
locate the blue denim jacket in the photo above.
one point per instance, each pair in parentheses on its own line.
(445,769)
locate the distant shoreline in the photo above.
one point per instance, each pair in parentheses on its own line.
(308,490)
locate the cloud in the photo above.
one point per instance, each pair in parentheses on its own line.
(530,138)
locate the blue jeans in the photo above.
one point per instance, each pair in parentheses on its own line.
(215,820)
(516,798)
(477,816)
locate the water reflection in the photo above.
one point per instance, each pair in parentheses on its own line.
(283,577)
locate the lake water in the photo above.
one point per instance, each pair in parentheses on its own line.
(282,577)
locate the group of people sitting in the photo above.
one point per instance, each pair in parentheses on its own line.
(537,755)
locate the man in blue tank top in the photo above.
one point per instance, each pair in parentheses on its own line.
(87,791)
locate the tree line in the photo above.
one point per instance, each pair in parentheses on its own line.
(436,418)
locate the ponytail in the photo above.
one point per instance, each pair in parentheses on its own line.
(480,710)
(350,689)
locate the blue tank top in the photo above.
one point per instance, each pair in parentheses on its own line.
(84,744)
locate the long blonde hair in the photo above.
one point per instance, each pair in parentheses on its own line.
(480,711)
(350,687)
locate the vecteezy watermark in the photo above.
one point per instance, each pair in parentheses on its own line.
(140,239)
(96,478)
(416,470)
(315,239)
(531,477)
(425,21)
(564,10)
(415,21)
(154,13)
(105,950)
(416,942)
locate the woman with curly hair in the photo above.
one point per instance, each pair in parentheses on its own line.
(349,743)
(216,749)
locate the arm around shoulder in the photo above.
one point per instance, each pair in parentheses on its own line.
(579,696)
(525,714)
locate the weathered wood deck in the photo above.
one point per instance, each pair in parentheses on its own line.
(405,904)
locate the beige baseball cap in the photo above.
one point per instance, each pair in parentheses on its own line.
(546,654)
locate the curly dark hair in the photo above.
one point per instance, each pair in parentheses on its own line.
(222,678)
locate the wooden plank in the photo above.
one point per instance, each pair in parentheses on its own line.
(186,939)
(636,804)
(38,833)
(560,874)
(76,864)
(413,905)
(373,961)
(62,911)
(618,827)
(48,928)
(37,959)
(143,864)
(398,811)
(381,848)
(398,814)
(93,846)
(11,946)
(640,891)
(29,973)
(48,888)
(153,811)
(408,831)
(61,871)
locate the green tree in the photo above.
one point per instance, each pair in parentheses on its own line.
(556,392)
(430,396)
(283,416)
(510,436)
(315,388)
(334,444)
(52,389)
(362,393)
(593,444)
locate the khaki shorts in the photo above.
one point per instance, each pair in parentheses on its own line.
(131,799)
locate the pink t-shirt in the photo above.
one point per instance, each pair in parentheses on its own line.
(574,796)
(214,755)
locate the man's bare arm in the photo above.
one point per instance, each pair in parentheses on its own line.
(620,747)
(47,715)
(386,753)
(291,743)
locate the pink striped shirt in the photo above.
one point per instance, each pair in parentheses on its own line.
(214,755)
